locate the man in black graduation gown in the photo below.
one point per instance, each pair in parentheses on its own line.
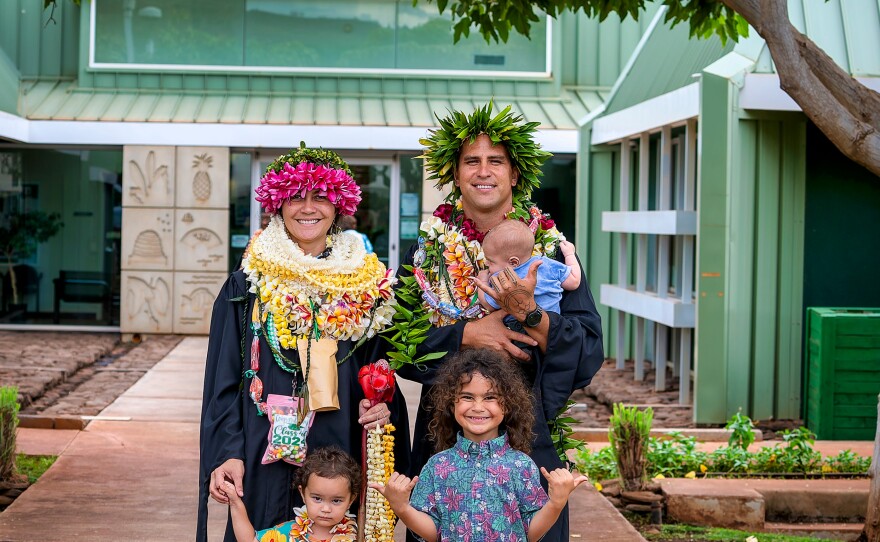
(566,349)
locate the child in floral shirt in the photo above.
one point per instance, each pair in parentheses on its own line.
(329,481)
(482,486)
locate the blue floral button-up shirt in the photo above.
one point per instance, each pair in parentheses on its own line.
(480,491)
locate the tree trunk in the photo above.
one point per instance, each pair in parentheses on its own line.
(872,518)
(12,282)
(847,112)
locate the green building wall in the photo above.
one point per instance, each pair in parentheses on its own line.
(749,257)
(596,165)
(37,46)
(586,55)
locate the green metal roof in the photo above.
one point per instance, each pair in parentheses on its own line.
(64,100)
(848,30)
(666,61)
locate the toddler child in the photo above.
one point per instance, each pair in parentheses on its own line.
(329,481)
(482,484)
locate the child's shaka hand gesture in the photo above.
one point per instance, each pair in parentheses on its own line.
(397,489)
(560,484)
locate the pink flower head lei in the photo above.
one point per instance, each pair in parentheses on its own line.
(304,169)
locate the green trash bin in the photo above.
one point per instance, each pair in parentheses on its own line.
(843,368)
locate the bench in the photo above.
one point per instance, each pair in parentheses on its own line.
(82,287)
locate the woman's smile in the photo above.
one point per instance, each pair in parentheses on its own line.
(308,219)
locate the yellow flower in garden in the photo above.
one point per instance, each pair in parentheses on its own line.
(826,469)
(598,486)
(691,475)
(703,468)
(659,477)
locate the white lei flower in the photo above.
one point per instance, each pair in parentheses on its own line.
(344,287)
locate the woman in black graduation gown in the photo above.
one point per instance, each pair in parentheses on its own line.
(303,299)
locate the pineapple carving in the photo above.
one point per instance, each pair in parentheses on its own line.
(202,181)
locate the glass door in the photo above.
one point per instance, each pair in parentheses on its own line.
(379,211)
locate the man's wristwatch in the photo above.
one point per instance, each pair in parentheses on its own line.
(533,319)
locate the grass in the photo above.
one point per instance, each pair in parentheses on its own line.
(689,532)
(33,466)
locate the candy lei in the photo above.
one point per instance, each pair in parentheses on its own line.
(450,256)
(346,296)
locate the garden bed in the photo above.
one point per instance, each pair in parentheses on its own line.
(29,469)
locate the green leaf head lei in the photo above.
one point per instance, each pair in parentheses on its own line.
(443,146)
(314,156)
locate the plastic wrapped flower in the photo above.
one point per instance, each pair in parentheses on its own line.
(377,381)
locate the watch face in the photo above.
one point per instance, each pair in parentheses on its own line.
(534,318)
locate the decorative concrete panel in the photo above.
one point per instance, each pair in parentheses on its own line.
(147,238)
(201,240)
(147,176)
(203,177)
(146,302)
(194,295)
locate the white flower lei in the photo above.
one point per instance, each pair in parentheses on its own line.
(346,295)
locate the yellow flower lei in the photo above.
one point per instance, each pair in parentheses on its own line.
(346,295)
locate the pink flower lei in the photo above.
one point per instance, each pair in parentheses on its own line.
(336,184)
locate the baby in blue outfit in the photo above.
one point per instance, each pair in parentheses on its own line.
(511,244)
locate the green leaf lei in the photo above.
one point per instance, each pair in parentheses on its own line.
(443,145)
(313,156)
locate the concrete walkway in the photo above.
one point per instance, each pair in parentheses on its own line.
(132,473)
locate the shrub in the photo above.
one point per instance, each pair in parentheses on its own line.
(8,423)
(628,435)
(599,465)
(676,455)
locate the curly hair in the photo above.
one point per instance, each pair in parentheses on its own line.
(507,381)
(330,462)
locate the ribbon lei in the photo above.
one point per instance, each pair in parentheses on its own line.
(378,382)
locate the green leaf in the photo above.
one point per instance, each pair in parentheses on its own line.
(406,313)
(431,356)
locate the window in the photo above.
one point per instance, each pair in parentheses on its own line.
(300,35)
(71,277)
